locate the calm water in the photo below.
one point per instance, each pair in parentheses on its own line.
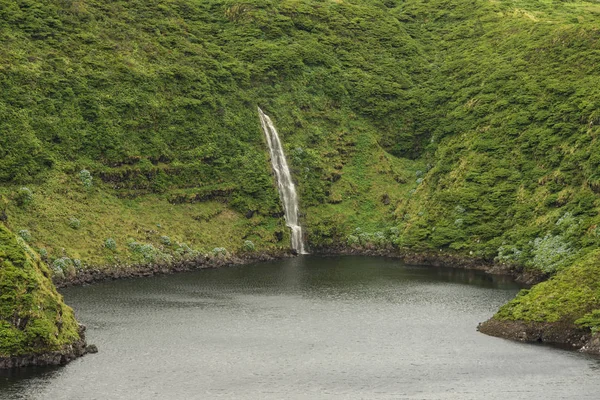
(305,328)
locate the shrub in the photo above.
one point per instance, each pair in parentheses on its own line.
(43,253)
(24,196)
(352,240)
(61,263)
(219,251)
(550,253)
(147,251)
(165,240)
(183,250)
(364,238)
(393,232)
(248,246)
(66,266)
(379,238)
(74,223)
(25,235)
(86,178)
(57,271)
(110,244)
(508,254)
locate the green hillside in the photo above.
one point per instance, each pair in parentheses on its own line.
(129,131)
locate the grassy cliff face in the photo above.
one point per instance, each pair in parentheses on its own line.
(462,127)
(33,317)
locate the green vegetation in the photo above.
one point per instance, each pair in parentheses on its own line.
(33,317)
(464,127)
(569,296)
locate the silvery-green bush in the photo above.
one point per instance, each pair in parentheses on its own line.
(43,253)
(219,251)
(550,253)
(110,244)
(25,235)
(86,178)
(183,250)
(74,223)
(248,246)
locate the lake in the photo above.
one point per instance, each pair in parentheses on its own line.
(309,327)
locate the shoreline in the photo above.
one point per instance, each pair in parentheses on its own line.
(519,274)
(114,272)
(560,334)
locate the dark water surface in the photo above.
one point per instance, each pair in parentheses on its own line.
(304,328)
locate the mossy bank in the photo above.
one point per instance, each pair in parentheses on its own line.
(464,128)
(36,327)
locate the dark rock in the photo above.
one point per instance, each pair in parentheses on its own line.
(91,349)
(61,357)
(279,236)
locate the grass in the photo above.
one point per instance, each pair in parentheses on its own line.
(145,219)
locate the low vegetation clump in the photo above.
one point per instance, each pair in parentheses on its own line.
(248,246)
(24,196)
(110,244)
(219,252)
(86,178)
(74,223)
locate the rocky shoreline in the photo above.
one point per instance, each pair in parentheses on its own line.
(92,275)
(528,278)
(560,334)
(59,357)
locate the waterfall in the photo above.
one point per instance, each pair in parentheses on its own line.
(287,190)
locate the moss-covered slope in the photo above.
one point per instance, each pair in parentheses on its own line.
(33,317)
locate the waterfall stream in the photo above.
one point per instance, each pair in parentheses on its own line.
(287,190)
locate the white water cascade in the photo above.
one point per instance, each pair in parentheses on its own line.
(287,190)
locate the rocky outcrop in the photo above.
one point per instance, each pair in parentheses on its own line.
(68,353)
(559,334)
